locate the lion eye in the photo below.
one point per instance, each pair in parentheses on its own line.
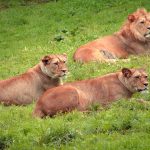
(146,76)
(142,21)
(137,77)
(56,63)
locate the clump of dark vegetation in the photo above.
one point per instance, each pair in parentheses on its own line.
(29,2)
(57,136)
(4,4)
(5,142)
(59,38)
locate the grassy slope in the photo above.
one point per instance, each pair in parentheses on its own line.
(29,32)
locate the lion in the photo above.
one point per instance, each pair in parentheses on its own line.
(23,89)
(132,39)
(80,95)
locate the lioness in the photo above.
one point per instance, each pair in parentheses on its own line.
(133,38)
(79,95)
(25,88)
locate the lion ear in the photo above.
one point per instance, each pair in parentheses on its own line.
(45,60)
(142,11)
(143,68)
(131,18)
(65,55)
(126,72)
(135,15)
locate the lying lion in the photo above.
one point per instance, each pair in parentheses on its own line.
(25,88)
(81,94)
(133,38)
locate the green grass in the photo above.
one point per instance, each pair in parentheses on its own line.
(30,30)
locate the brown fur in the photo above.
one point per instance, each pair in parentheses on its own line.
(25,88)
(79,95)
(133,38)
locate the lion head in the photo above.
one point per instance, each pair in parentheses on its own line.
(138,24)
(136,80)
(54,66)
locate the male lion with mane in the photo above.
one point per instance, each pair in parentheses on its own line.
(81,94)
(133,38)
(25,88)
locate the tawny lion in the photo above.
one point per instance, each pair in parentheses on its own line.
(80,94)
(25,88)
(133,38)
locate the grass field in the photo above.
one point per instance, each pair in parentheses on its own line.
(29,30)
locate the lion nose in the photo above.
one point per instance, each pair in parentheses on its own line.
(64,70)
(146,84)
